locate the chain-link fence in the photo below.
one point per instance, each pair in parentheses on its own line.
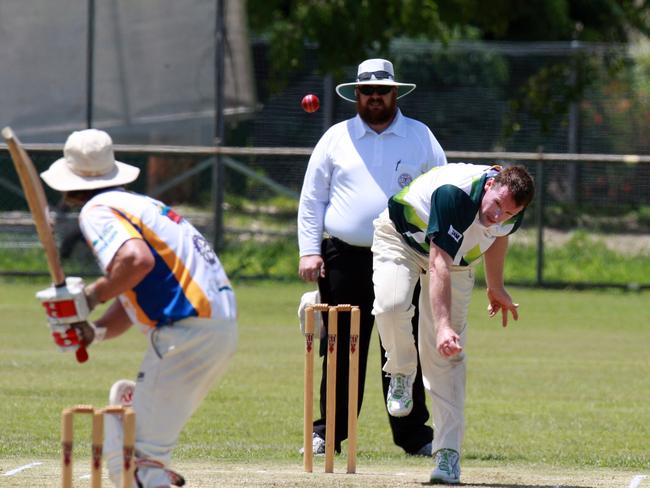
(549,97)
(601,227)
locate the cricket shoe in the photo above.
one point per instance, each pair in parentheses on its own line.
(425,450)
(447,468)
(399,400)
(149,472)
(122,393)
(317,445)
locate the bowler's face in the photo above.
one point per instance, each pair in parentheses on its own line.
(497,205)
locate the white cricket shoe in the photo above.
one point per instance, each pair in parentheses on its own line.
(317,445)
(399,399)
(425,450)
(447,468)
(122,393)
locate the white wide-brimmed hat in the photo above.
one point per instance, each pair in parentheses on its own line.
(88,163)
(374,72)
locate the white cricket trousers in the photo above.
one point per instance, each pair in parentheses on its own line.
(396,269)
(181,364)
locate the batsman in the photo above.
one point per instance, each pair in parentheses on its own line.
(160,274)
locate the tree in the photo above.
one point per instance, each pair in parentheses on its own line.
(345,31)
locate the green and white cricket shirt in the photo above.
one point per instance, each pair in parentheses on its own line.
(442,206)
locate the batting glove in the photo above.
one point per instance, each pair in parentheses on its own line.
(70,337)
(65,304)
(310,298)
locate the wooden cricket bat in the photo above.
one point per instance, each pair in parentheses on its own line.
(35,196)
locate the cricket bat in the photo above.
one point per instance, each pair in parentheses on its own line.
(35,196)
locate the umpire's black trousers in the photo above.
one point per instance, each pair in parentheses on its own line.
(348,279)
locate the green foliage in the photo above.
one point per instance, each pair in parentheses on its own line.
(644,215)
(547,94)
(582,260)
(276,259)
(345,31)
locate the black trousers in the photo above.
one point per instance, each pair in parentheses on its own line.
(348,279)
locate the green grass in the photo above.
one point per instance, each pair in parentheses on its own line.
(566,385)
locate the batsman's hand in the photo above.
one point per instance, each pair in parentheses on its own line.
(76,336)
(66,304)
(499,300)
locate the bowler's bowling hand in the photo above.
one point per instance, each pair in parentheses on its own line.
(447,342)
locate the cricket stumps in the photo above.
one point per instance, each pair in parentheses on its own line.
(97,414)
(353,382)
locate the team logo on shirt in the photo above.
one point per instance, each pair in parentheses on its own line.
(203,248)
(455,235)
(404,179)
(106,236)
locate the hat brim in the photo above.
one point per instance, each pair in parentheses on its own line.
(346,90)
(60,178)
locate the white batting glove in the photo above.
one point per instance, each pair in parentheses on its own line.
(65,304)
(70,337)
(307,299)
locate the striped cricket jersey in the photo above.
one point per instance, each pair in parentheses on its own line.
(442,206)
(187,279)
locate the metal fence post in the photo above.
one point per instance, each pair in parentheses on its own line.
(218,184)
(539,214)
(90,63)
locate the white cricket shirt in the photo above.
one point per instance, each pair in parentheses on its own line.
(353,171)
(187,279)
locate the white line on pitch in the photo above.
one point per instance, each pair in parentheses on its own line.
(636,481)
(22,468)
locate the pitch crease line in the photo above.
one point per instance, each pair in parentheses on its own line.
(636,481)
(22,468)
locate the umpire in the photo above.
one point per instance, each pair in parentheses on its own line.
(356,165)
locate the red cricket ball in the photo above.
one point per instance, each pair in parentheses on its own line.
(310,103)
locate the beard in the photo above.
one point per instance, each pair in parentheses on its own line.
(374,111)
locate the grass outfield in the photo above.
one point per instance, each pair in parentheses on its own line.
(559,398)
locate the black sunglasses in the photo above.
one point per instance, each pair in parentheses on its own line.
(378,75)
(368,90)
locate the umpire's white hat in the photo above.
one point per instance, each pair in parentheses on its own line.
(88,163)
(374,72)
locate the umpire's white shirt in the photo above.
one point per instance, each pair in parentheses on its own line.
(353,171)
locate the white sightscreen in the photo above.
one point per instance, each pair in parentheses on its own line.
(154,68)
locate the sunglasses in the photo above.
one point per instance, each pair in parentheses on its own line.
(377,75)
(368,90)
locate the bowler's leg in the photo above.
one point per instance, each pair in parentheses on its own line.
(412,432)
(394,279)
(444,378)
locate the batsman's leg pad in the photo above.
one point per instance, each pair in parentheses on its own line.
(121,393)
(113,438)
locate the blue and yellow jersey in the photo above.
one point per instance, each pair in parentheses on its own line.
(187,279)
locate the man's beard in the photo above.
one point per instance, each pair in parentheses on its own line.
(376,115)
